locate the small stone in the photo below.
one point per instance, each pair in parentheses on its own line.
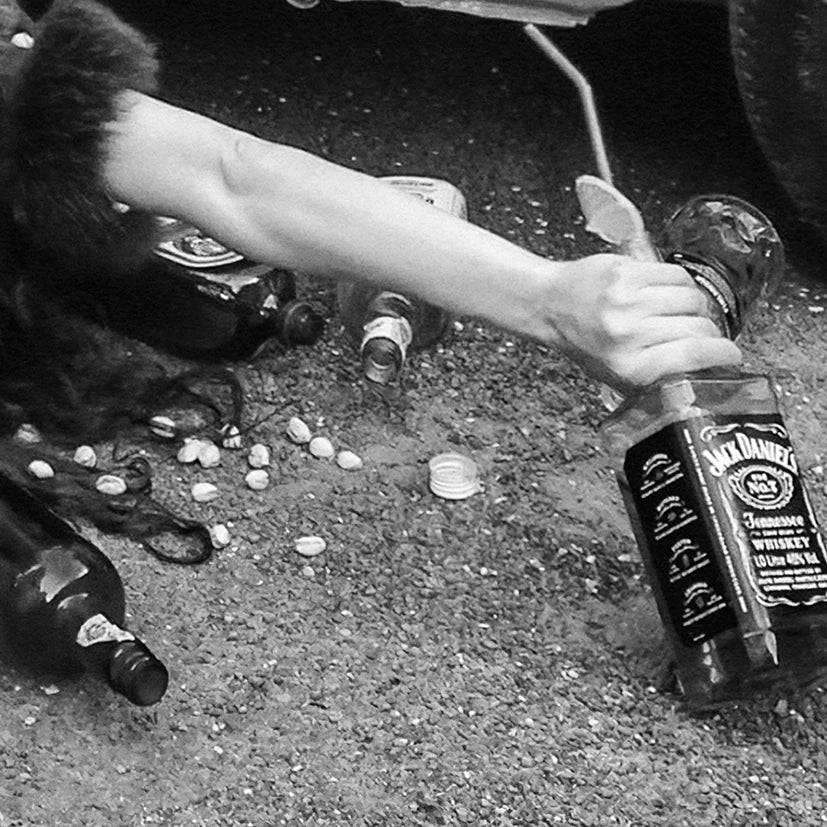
(209,455)
(28,434)
(163,427)
(298,431)
(85,456)
(203,492)
(220,536)
(231,437)
(310,546)
(259,456)
(22,40)
(258,479)
(189,451)
(348,460)
(321,447)
(111,485)
(41,470)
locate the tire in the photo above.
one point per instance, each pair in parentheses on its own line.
(779,50)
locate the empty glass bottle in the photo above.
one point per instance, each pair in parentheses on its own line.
(711,484)
(728,537)
(733,253)
(62,603)
(386,325)
(200,299)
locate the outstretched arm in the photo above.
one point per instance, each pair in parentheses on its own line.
(625,322)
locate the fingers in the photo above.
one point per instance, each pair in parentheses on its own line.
(663,289)
(656,330)
(678,356)
(653,272)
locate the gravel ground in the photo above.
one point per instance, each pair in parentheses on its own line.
(493,661)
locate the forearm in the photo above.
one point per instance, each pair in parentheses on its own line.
(334,222)
(283,206)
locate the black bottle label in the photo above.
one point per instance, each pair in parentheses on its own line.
(726,520)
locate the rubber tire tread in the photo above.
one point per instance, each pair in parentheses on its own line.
(779,50)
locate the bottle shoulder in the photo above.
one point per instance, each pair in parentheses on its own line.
(360,303)
(714,392)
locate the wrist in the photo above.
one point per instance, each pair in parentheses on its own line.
(529,308)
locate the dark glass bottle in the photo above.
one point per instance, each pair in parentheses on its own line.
(386,325)
(710,481)
(198,298)
(62,603)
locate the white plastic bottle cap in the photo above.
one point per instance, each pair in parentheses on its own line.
(453,476)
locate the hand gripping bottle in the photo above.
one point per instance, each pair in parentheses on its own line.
(386,325)
(62,603)
(710,481)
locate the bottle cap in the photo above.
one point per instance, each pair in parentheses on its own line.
(453,476)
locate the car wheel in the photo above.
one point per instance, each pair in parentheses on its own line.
(779,51)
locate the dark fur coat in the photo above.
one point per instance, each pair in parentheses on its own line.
(59,234)
(59,229)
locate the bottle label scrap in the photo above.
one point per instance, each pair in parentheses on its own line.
(396,328)
(99,629)
(723,509)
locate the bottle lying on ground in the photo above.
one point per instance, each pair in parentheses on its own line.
(710,481)
(386,326)
(62,603)
(198,298)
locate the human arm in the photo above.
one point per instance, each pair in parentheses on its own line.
(625,322)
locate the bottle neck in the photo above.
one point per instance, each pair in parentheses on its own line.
(724,306)
(137,674)
(126,662)
(385,343)
(382,359)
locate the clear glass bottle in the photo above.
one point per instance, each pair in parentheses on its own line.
(386,325)
(732,251)
(62,603)
(710,481)
(727,534)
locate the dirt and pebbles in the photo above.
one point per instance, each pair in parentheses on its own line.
(488,661)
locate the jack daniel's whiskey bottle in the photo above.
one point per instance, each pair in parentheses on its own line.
(710,481)
(728,536)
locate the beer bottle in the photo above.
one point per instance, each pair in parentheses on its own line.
(62,603)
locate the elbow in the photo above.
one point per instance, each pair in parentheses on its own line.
(235,163)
